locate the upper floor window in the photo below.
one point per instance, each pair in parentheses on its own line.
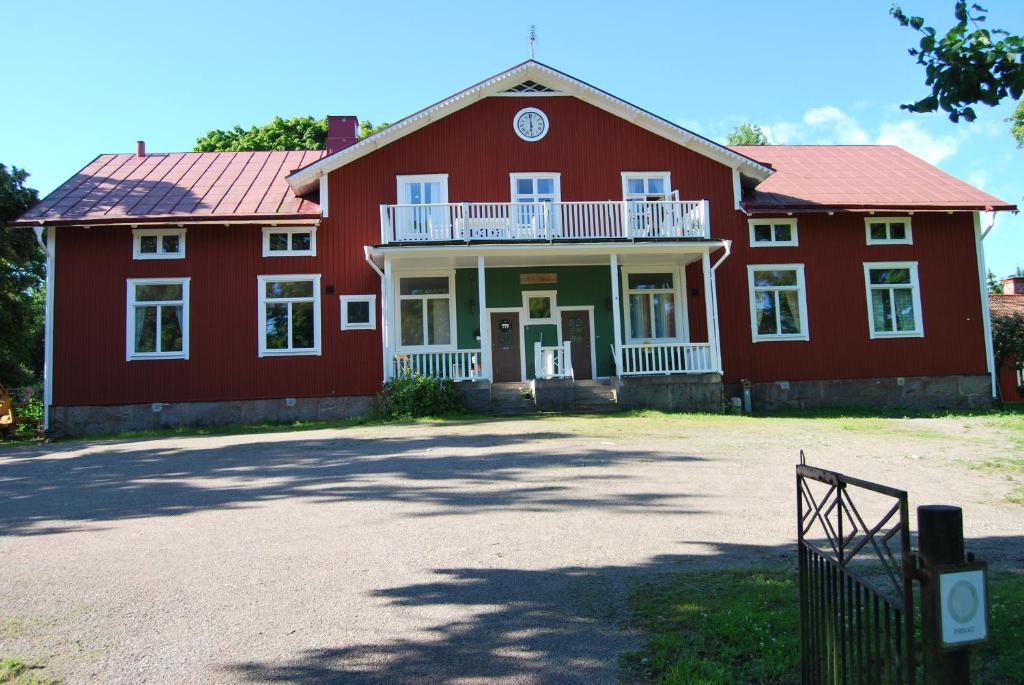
(289,315)
(894,299)
(287,241)
(651,305)
(158,243)
(647,186)
(425,309)
(772,232)
(778,302)
(883,231)
(536,187)
(157,323)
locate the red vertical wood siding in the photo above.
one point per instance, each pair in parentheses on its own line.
(478,149)
(1009,391)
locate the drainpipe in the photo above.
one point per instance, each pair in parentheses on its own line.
(986,317)
(49,247)
(727,244)
(384,302)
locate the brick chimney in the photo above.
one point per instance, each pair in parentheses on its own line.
(140,148)
(341,133)
(1013,285)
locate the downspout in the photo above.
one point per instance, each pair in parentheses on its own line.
(384,296)
(986,316)
(49,247)
(727,244)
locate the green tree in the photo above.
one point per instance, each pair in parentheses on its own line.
(297,133)
(968,65)
(22,269)
(747,134)
(995,286)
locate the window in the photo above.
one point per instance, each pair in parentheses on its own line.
(281,241)
(358,312)
(158,243)
(895,231)
(649,186)
(289,315)
(651,305)
(536,187)
(894,299)
(540,306)
(772,232)
(425,307)
(778,302)
(157,323)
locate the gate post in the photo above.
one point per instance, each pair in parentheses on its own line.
(940,542)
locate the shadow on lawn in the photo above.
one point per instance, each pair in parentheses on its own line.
(563,625)
(52,491)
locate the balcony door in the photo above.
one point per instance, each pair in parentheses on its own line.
(421,214)
(648,213)
(534,214)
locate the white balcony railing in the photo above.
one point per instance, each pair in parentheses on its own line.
(549,221)
(552,362)
(666,358)
(457,365)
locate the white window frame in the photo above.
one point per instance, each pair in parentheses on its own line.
(289,231)
(534,176)
(452,323)
(682,314)
(792,242)
(915,285)
(400,181)
(551,295)
(369,299)
(801,288)
(130,353)
(665,176)
(261,285)
(888,220)
(139,233)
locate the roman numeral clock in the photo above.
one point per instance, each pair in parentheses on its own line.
(530,124)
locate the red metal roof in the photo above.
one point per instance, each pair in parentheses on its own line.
(857,177)
(183,186)
(1006,305)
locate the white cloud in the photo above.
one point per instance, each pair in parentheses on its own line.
(910,136)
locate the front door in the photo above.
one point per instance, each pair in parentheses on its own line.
(576,329)
(505,347)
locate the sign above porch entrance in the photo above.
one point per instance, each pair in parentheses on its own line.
(534,279)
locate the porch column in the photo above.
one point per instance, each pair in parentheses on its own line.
(711,311)
(616,314)
(485,328)
(387,318)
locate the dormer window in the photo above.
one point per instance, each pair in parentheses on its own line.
(287,241)
(158,243)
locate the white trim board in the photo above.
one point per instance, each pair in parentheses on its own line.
(306,179)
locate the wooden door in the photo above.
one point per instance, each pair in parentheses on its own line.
(576,329)
(505,347)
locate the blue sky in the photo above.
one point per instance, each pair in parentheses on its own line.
(95,77)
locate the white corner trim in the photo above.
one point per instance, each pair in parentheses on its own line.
(986,314)
(325,196)
(51,263)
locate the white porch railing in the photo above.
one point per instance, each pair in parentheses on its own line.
(666,358)
(552,362)
(457,365)
(551,221)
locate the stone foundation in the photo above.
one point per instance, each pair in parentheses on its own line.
(910,392)
(683,392)
(95,420)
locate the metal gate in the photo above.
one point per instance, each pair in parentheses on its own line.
(856,596)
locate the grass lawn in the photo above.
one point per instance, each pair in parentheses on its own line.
(14,671)
(743,626)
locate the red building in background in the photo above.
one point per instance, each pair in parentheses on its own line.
(529,229)
(1011,371)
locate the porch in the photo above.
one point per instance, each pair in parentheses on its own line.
(520,313)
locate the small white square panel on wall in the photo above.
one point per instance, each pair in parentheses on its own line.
(963,603)
(358,312)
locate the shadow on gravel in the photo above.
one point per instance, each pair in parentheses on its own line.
(565,625)
(47,492)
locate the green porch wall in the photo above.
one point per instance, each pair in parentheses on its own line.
(577,286)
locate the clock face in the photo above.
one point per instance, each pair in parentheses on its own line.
(530,124)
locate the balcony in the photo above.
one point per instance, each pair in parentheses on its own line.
(467,222)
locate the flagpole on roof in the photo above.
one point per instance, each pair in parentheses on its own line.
(533,37)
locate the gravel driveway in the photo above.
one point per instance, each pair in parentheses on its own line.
(454,553)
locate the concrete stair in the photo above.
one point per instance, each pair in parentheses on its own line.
(595,396)
(507,400)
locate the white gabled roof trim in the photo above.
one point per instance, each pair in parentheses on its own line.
(305,180)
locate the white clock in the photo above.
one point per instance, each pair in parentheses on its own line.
(530,124)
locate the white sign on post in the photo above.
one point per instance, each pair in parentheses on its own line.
(964,607)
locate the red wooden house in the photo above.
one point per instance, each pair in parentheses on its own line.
(1011,371)
(529,229)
